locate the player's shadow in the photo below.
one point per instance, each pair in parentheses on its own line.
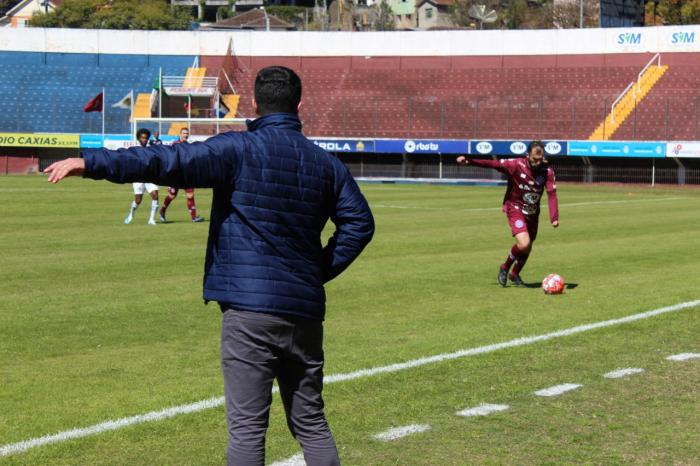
(568,286)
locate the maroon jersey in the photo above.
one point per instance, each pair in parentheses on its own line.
(525,185)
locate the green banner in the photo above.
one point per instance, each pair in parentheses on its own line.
(39,140)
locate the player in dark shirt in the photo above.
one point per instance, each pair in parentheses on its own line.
(528,178)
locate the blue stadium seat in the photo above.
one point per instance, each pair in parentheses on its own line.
(46,92)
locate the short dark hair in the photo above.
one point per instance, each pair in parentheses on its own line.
(277,89)
(143,131)
(534,144)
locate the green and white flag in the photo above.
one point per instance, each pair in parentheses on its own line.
(155,93)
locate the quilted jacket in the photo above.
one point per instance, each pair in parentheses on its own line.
(274,191)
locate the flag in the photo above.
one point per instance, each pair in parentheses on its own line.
(95,104)
(155,93)
(223,109)
(126,102)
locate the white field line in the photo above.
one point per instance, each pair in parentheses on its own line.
(25,445)
(558,389)
(620,373)
(10,449)
(400,432)
(481,209)
(296,460)
(683,356)
(482,410)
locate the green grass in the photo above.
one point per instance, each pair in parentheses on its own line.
(102,321)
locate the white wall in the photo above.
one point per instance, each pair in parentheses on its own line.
(413,43)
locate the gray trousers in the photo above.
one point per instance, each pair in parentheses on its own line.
(257,348)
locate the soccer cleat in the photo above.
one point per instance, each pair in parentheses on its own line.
(128,219)
(502,276)
(161,215)
(197,219)
(516,280)
(151,222)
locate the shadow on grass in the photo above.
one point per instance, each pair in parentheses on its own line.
(568,286)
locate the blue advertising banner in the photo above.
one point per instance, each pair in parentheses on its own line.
(617,149)
(421,146)
(91,141)
(345,145)
(115,141)
(513,147)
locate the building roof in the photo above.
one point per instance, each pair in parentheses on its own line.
(444,3)
(253,19)
(21,5)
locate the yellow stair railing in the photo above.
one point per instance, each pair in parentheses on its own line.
(175,128)
(231,101)
(142,106)
(628,100)
(194,77)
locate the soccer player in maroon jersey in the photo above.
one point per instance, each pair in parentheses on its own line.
(528,178)
(189,192)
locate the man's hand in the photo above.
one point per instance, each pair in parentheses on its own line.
(68,167)
(555,223)
(462,160)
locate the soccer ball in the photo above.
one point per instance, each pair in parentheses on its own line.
(553,284)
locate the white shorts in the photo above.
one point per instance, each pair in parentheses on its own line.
(139,188)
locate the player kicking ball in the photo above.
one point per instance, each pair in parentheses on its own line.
(528,178)
(142,136)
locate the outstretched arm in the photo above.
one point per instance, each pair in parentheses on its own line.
(502,165)
(206,164)
(68,167)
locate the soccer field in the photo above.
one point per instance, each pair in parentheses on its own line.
(103,321)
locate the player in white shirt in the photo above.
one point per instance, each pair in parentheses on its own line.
(143,135)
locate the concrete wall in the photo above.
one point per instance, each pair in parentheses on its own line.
(663,39)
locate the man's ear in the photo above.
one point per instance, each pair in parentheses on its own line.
(255,106)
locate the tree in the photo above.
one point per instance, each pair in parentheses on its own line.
(514,14)
(384,19)
(116,14)
(567,14)
(679,11)
(292,14)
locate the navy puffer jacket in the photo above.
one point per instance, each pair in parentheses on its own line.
(274,190)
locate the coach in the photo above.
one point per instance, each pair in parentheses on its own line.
(274,190)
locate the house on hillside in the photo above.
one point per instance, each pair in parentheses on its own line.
(22,11)
(404,13)
(258,20)
(433,14)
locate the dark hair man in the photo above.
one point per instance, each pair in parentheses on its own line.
(142,136)
(528,178)
(274,191)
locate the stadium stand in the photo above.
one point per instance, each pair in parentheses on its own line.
(559,102)
(670,112)
(554,84)
(46,92)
